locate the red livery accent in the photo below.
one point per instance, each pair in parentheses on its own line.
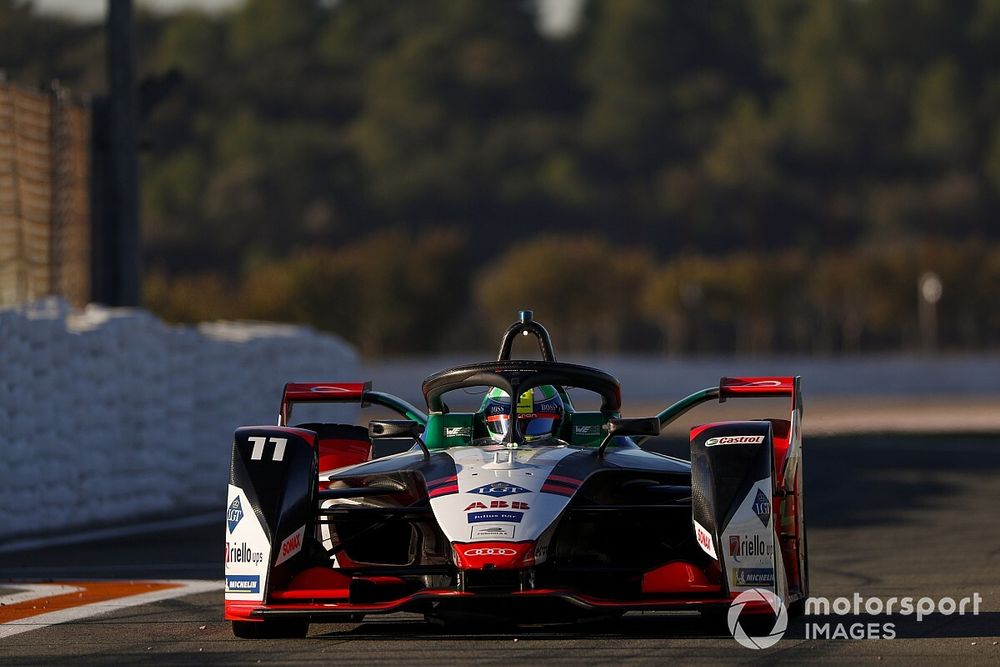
(565,480)
(678,577)
(443,491)
(697,430)
(340,452)
(756,386)
(321,392)
(442,480)
(326,391)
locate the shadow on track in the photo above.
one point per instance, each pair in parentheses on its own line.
(881,479)
(687,626)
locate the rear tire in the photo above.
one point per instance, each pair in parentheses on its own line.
(288,629)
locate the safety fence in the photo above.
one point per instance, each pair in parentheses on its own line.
(44,196)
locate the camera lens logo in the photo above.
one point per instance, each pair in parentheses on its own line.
(757,596)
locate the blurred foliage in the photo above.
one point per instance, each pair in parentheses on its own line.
(695,176)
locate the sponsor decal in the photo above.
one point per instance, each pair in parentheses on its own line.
(328,390)
(489,551)
(499,490)
(753,576)
(741,546)
(762,507)
(705,540)
(497,504)
(291,546)
(242,553)
(242,583)
(591,429)
(234,514)
(458,431)
(492,532)
(547,408)
(735,440)
(494,516)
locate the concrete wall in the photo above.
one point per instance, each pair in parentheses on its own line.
(109,415)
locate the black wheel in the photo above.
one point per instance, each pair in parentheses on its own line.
(271,629)
(797,609)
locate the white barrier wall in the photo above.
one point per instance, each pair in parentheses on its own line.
(109,414)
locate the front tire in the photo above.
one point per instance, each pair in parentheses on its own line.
(287,629)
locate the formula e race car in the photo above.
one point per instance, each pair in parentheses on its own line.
(524,508)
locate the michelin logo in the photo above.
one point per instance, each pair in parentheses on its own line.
(754,576)
(242,583)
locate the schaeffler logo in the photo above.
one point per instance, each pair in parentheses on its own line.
(757,596)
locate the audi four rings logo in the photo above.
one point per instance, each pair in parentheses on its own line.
(489,552)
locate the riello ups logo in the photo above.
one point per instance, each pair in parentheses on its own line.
(744,546)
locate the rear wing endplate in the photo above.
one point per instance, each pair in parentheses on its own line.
(753,387)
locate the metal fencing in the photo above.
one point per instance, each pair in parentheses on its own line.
(44,197)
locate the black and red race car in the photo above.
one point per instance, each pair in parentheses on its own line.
(528,509)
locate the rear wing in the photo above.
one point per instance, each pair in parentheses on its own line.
(342,392)
(754,387)
(760,387)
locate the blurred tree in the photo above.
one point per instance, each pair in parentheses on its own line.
(462,120)
(582,287)
(941,124)
(719,135)
(388,293)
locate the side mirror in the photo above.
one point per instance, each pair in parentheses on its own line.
(639,426)
(646,426)
(398,428)
(394,428)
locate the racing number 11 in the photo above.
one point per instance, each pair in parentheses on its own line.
(258,448)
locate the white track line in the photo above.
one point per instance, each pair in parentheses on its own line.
(112,533)
(185,587)
(34,592)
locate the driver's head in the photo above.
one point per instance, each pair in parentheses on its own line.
(539,412)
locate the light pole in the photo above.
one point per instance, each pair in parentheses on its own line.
(929,290)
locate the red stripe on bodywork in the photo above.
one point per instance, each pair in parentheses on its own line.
(443,491)
(558,490)
(564,480)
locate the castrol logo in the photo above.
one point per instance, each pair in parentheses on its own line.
(491,551)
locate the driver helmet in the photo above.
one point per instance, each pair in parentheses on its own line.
(539,413)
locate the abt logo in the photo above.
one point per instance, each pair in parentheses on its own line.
(497,504)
